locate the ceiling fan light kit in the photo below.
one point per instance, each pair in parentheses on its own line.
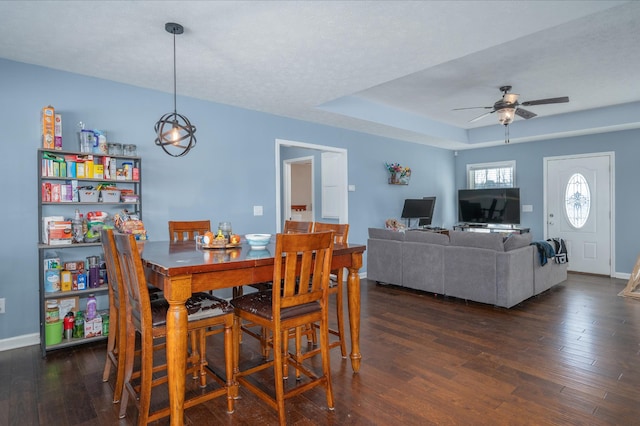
(174,132)
(508,107)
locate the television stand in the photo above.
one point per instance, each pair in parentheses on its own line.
(487,227)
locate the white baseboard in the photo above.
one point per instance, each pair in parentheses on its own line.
(621,275)
(19,341)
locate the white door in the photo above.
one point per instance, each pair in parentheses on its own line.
(578,209)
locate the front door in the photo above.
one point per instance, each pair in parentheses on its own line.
(578,209)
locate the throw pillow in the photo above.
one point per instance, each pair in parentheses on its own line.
(516,241)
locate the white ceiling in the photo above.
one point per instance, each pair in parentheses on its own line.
(390,68)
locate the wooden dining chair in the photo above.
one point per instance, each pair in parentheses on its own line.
(117,315)
(288,305)
(336,284)
(290,227)
(147,319)
(116,340)
(297,227)
(186,230)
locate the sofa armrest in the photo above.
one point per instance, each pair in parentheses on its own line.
(514,276)
(545,277)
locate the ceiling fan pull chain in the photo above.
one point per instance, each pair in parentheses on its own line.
(506,134)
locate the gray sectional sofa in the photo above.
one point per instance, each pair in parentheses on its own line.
(483,267)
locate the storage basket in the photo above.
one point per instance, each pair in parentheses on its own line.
(88,196)
(53,333)
(110,195)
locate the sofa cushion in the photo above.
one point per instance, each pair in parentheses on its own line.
(386,234)
(516,241)
(485,240)
(427,237)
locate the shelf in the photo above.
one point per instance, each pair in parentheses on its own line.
(56,152)
(83,179)
(64,294)
(76,245)
(75,341)
(80,203)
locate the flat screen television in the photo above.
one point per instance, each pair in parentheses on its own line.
(420,208)
(490,206)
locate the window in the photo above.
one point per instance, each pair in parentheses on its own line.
(577,200)
(491,175)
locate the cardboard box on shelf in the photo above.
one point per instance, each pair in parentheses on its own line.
(57,132)
(93,328)
(47,119)
(60,232)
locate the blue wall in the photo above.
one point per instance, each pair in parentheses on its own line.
(529,177)
(231,169)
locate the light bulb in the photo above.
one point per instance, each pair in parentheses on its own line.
(175,135)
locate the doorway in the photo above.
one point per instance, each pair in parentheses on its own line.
(333,196)
(579,191)
(298,189)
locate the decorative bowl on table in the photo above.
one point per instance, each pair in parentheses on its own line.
(258,241)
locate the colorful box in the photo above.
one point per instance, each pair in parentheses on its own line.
(98,171)
(93,328)
(48,132)
(60,232)
(57,131)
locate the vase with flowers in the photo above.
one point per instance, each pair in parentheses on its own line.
(398,175)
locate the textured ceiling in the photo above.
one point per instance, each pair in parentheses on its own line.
(391,68)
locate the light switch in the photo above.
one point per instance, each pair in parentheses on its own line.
(257,210)
(527,208)
(352,188)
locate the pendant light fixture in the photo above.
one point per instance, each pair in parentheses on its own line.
(174,132)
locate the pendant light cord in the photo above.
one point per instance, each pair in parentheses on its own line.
(175,109)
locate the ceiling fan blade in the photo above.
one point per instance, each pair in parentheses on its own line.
(460,109)
(559,100)
(524,113)
(481,116)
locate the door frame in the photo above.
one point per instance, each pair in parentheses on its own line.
(344,211)
(612,202)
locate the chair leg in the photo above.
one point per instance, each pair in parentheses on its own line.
(279,380)
(340,313)
(230,364)
(203,356)
(146,372)
(126,384)
(326,360)
(111,348)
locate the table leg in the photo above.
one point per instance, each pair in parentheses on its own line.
(353,296)
(176,294)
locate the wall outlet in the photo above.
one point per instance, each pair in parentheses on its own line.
(2,305)
(257,210)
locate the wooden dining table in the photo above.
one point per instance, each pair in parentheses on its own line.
(182,268)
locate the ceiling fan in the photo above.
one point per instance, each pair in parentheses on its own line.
(508,106)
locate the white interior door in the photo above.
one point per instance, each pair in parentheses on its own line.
(579,209)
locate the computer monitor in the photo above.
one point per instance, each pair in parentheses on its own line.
(421,209)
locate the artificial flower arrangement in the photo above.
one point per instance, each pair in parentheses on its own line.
(397,168)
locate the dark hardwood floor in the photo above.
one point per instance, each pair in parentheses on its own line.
(570,356)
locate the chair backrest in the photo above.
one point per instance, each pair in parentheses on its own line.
(135,284)
(306,258)
(297,227)
(187,230)
(114,275)
(340,230)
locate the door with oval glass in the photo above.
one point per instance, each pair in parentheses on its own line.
(578,209)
